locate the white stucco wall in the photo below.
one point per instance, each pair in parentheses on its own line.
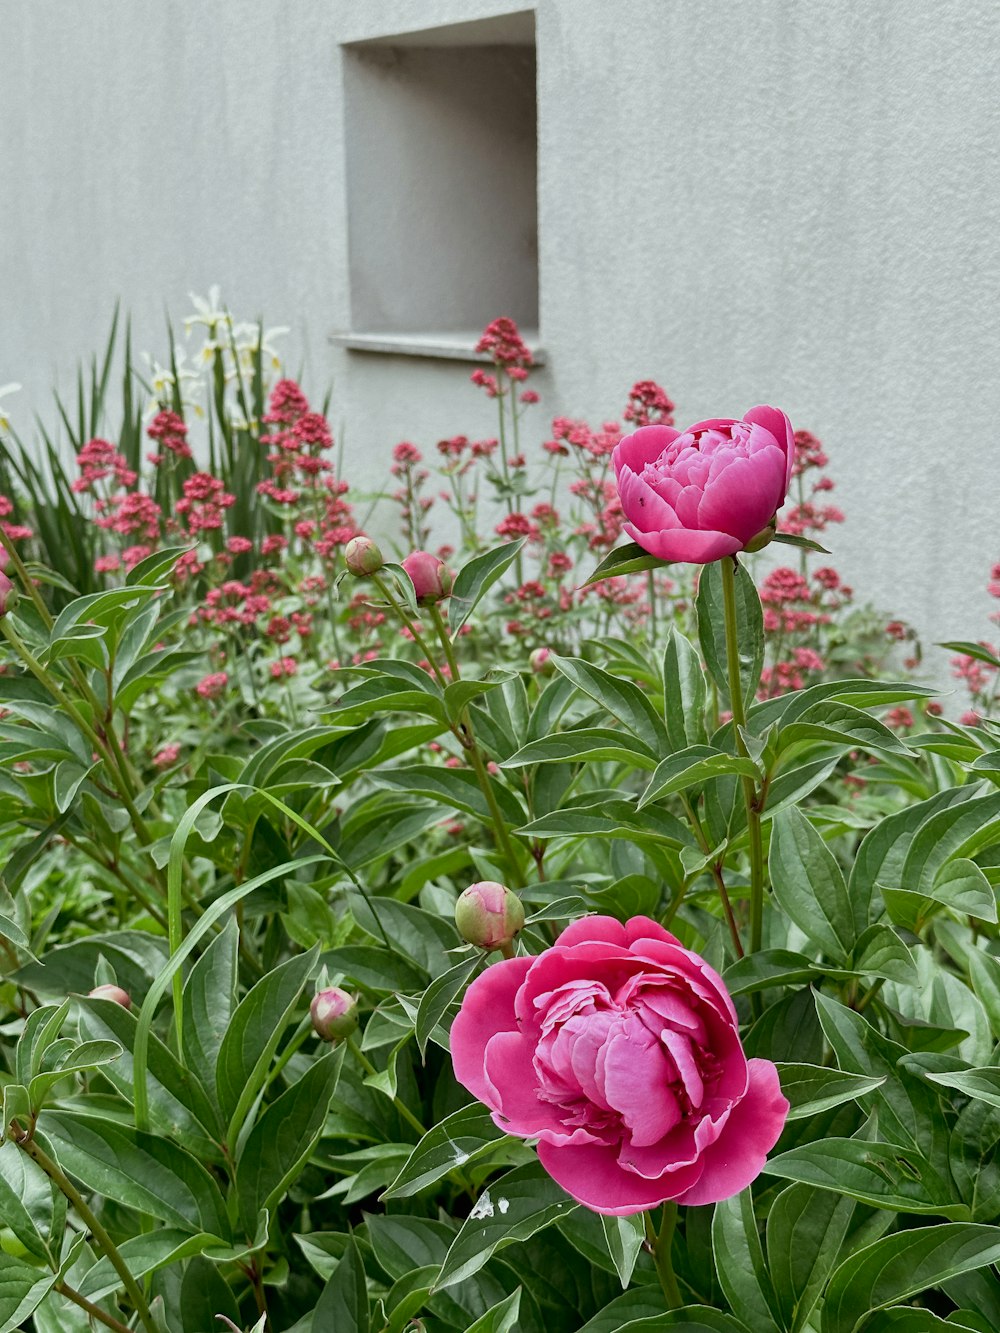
(795,201)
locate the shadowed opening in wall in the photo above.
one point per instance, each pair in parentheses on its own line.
(441,148)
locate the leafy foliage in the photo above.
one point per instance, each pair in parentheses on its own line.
(223,851)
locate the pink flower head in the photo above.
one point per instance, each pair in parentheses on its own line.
(704,493)
(618,1050)
(502,341)
(167,756)
(212,685)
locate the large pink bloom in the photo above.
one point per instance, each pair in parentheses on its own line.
(704,493)
(618,1050)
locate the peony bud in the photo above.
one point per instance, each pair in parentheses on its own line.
(8,595)
(113,993)
(489,915)
(363,557)
(431,578)
(540,662)
(334,1014)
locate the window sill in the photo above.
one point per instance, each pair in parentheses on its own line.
(459,346)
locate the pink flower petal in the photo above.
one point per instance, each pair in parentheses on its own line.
(713,423)
(689,548)
(488,1008)
(517,1108)
(645,505)
(754,1126)
(775,421)
(589,929)
(591,1175)
(643,446)
(645,928)
(745,496)
(636,1083)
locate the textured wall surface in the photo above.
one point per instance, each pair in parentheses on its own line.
(796,201)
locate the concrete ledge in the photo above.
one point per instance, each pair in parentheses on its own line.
(444,346)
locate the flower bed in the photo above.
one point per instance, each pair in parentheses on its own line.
(520,933)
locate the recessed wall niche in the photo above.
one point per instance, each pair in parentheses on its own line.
(441,156)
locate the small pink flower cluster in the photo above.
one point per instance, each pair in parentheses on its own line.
(99,460)
(203,501)
(806,516)
(16,532)
(170,432)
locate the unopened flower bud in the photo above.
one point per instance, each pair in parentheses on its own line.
(363,557)
(334,1014)
(8,594)
(763,538)
(540,662)
(431,577)
(489,915)
(113,993)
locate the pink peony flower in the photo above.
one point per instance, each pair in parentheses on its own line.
(618,1049)
(704,493)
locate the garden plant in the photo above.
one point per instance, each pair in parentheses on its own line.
(516,899)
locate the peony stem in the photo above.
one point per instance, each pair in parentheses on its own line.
(504,844)
(90,1221)
(728,566)
(660,1247)
(397,1102)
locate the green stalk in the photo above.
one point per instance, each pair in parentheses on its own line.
(660,1246)
(27,582)
(728,565)
(504,843)
(720,882)
(94,1311)
(397,1102)
(101,1237)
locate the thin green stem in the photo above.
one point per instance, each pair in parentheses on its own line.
(869,995)
(397,1102)
(660,1246)
(27,581)
(93,1225)
(728,565)
(95,1311)
(504,843)
(717,875)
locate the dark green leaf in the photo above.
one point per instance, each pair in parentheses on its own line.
(811,1088)
(739,1261)
(475,579)
(902,1265)
(343,1303)
(463,1136)
(252,1037)
(511,1209)
(620,697)
(878,1174)
(628,559)
(805,1230)
(142,1171)
(284,1137)
(809,885)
